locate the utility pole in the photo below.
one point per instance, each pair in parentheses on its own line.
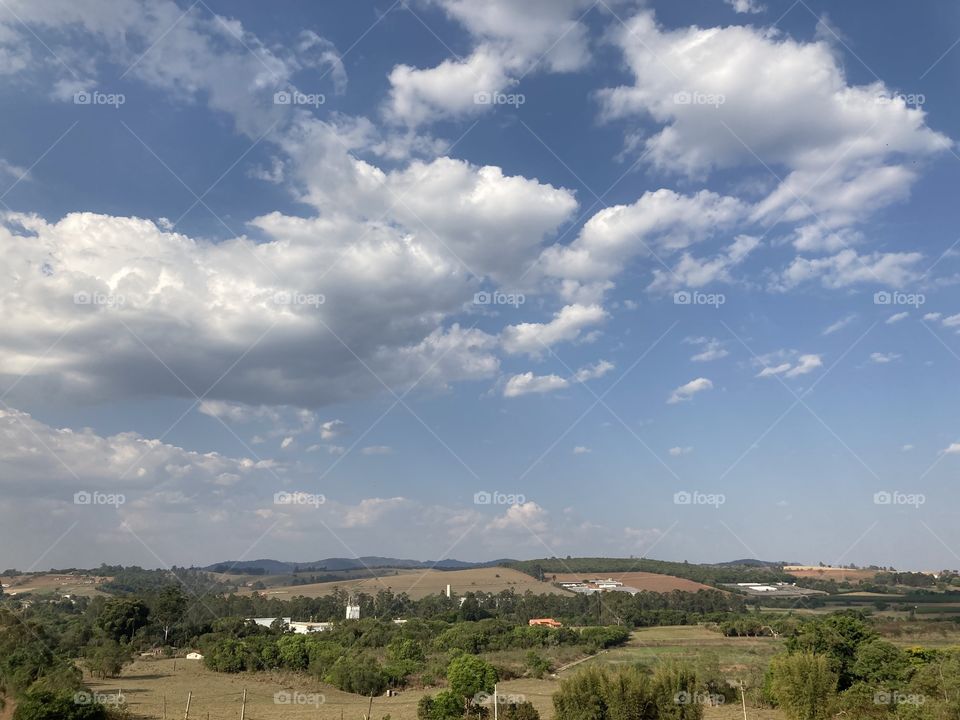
(164,712)
(243,705)
(370,709)
(743,700)
(496,703)
(186,714)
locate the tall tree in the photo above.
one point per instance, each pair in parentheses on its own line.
(803,685)
(169,608)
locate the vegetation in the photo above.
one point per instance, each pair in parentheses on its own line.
(707,574)
(630,694)
(839,664)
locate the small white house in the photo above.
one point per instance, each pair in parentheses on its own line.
(194,656)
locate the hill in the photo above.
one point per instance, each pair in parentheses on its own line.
(706,574)
(280,567)
(419,583)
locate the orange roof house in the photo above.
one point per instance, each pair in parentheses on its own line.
(545,622)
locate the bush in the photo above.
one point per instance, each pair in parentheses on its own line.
(598,694)
(56,706)
(519,711)
(445,705)
(675,690)
(358,673)
(803,685)
(227,655)
(469,676)
(537,664)
(604,637)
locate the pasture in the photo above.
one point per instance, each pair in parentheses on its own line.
(52,583)
(420,583)
(839,574)
(146,684)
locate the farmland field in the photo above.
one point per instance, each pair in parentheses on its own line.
(53,583)
(829,573)
(641,581)
(420,583)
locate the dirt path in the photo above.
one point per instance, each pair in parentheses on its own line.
(569,665)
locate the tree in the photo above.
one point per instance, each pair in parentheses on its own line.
(519,711)
(122,617)
(294,652)
(582,696)
(358,673)
(445,705)
(469,676)
(471,610)
(675,690)
(803,685)
(107,658)
(836,637)
(405,656)
(881,663)
(226,655)
(56,706)
(537,664)
(599,694)
(169,608)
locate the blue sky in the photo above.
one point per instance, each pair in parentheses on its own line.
(674,279)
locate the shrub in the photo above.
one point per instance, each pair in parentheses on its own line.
(56,706)
(358,673)
(803,685)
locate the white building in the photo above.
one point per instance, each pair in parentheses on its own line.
(194,656)
(268,621)
(353,612)
(304,628)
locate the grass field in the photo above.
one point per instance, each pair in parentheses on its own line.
(146,683)
(420,583)
(829,573)
(641,581)
(50,583)
(735,656)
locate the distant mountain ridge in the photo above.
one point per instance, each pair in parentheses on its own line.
(752,562)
